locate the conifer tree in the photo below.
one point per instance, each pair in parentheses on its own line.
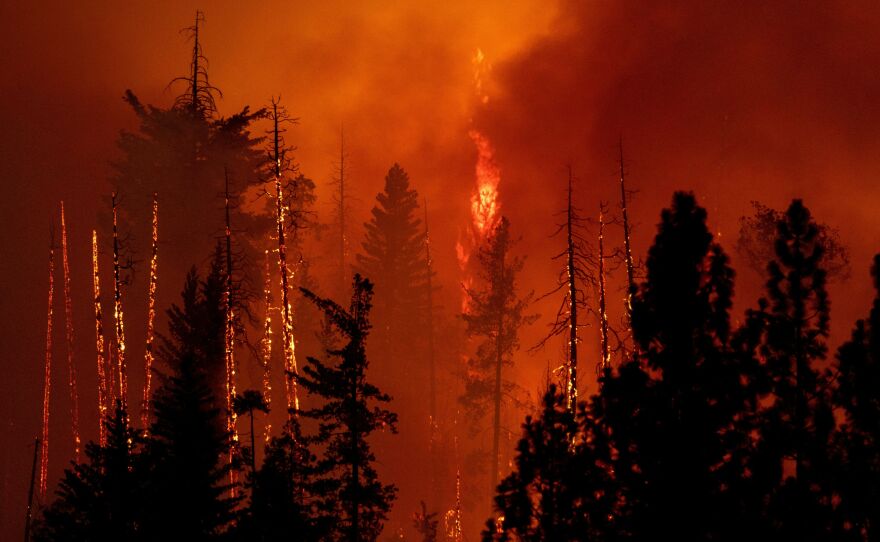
(495,316)
(559,487)
(352,410)
(857,477)
(673,414)
(393,258)
(188,493)
(180,151)
(796,425)
(100,499)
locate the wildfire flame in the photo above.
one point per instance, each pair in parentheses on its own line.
(266,346)
(151,314)
(103,399)
(117,313)
(47,379)
(68,320)
(288,344)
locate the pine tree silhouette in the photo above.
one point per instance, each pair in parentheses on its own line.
(857,479)
(100,499)
(393,257)
(795,428)
(188,448)
(352,410)
(496,314)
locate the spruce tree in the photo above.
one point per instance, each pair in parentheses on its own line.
(857,480)
(795,426)
(495,315)
(100,499)
(351,412)
(393,259)
(188,447)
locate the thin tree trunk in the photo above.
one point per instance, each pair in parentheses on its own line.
(630,271)
(496,438)
(572,393)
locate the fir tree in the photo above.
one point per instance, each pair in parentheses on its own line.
(188,449)
(495,315)
(393,258)
(351,412)
(100,499)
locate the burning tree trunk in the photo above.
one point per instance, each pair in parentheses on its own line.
(103,390)
(266,346)
(603,314)
(68,321)
(229,342)
(121,375)
(47,375)
(627,246)
(578,260)
(281,163)
(151,314)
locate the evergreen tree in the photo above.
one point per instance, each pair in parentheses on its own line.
(559,487)
(181,152)
(100,499)
(857,477)
(495,315)
(188,449)
(393,258)
(351,412)
(675,413)
(289,500)
(795,427)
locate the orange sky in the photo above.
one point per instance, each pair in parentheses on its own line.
(735,100)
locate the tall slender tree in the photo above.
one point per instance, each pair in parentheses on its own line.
(353,409)
(796,425)
(857,475)
(496,314)
(393,257)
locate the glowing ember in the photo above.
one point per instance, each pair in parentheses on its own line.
(68,320)
(151,315)
(117,313)
(47,378)
(103,399)
(288,345)
(266,346)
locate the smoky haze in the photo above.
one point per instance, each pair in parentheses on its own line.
(737,101)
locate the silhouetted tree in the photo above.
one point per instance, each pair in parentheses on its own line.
(100,499)
(495,315)
(673,413)
(393,257)
(559,487)
(857,479)
(181,152)
(426,524)
(247,403)
(757,242)
(352,410)
(189,493)
(289,499)
(795,426)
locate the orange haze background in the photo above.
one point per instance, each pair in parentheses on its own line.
(737,101)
